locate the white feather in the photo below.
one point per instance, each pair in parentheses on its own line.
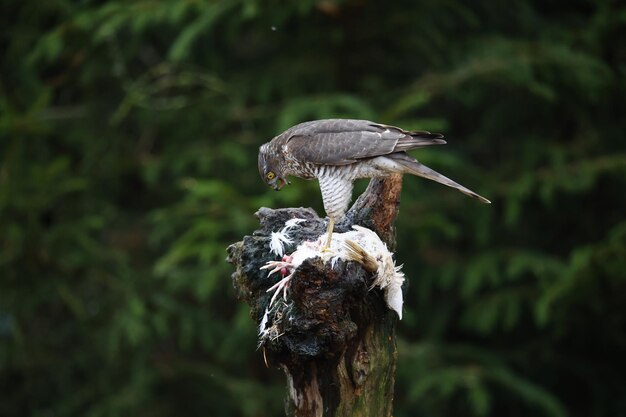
(279,239)
(263,323)
(393,298)
(291,223)
(389,277)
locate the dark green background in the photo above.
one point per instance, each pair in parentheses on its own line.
(128,139)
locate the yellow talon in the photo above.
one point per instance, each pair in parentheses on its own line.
(329,234)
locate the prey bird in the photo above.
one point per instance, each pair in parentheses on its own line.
(338,151)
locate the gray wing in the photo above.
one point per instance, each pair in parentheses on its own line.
(345,141)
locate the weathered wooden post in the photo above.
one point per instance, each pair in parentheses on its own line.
(335,339)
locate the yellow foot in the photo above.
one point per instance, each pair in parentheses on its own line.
(329,235)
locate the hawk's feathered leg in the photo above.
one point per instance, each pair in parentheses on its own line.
(336,195)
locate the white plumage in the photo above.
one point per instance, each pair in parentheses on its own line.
(359,245)
(279,239)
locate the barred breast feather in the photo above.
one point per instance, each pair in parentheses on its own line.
(336,189)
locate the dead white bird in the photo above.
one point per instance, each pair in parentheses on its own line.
(359,245)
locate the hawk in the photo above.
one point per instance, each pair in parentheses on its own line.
(338,151)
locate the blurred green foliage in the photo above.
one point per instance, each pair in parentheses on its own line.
(128,140)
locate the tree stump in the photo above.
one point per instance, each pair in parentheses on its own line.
(335,338)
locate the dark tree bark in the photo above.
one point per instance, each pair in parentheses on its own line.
(334,338)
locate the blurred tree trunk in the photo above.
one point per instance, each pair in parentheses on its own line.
(335,340)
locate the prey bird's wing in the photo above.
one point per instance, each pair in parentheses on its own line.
(342,142)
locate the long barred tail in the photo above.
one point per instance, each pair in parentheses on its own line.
(415,140)
(415,168)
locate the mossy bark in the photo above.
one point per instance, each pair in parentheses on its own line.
(334,338)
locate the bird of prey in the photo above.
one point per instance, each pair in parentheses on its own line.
(338,151)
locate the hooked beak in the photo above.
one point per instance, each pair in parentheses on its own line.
(279,183)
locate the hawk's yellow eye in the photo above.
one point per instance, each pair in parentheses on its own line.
(270,175)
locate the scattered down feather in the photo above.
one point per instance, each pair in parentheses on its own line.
(359,245)
(279,239)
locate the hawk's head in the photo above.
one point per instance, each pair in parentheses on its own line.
(270,167)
